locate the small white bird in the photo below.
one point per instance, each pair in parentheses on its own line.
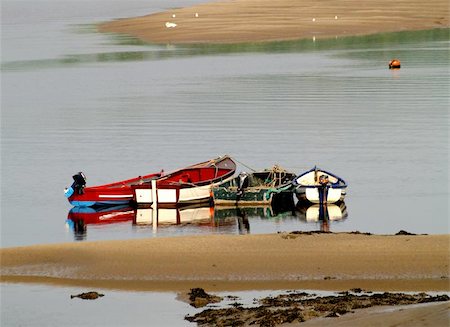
(313,19)
(196,15)
(173,16)
(335,17)
(170,25)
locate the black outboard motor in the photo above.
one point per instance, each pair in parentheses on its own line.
(79,183)
(243,184)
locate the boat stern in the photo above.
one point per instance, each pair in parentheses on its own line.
(77,187)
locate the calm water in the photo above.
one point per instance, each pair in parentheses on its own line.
(52,306)
(73,99)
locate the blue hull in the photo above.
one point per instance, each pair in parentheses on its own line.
(97,203)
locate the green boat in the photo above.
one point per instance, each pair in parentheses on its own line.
(264,187)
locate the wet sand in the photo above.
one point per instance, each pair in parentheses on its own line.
(263,20)
(434,314)
(338,261)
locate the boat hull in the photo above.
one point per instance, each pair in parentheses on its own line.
(171,195)
(259,188)
(311,194)
(251,197)
(100,196)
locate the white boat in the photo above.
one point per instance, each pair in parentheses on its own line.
(319,186)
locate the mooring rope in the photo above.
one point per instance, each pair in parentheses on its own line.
(243,164)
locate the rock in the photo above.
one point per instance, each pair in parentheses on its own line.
(357,232)
(403,232)
(296,307)
(88,295)
(333,315)
(199,298)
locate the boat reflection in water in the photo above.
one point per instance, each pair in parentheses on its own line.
(79,217)
(205,219)
(323,214)
(219,218)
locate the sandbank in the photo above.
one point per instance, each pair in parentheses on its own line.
(337,261)
(239,21)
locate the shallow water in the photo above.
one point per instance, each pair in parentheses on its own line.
(40,305)
(73,100)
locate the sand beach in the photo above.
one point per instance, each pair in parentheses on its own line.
(238,21)
(226,262)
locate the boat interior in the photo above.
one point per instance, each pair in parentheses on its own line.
(312,178)
(196,176)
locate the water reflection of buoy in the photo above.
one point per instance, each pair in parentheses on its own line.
(394,64)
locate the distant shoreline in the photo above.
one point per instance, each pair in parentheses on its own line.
(239,21)
(337,261)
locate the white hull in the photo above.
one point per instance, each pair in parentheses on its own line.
(173,196)
(195,194)
(311,194)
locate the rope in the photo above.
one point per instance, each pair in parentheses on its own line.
(244,164)
(276,175)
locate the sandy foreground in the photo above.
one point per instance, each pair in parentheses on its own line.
(338,261)
(237,21)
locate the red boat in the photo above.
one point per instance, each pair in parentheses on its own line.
(187,186)
(123,192)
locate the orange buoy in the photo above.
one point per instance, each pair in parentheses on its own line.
(394,64)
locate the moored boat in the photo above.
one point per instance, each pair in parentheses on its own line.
(319,186)
(124,192)
(263,187)
(186,186)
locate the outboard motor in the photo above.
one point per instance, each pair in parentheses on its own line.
(79,182)
(243,184)
(78,185)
